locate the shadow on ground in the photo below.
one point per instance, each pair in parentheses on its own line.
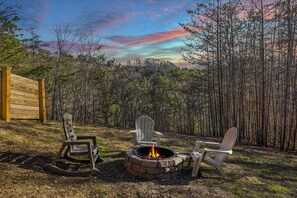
(111,171)
(24,160)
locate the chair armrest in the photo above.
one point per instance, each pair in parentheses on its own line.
(218,151)
(199,143)
(133,131)
(147,142)
(77,142)
(158,133)
(209,143)
(88,138)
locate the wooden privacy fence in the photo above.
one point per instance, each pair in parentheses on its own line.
(21,98)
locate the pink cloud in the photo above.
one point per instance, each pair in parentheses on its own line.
(165,9)
(108,47)
(150,38)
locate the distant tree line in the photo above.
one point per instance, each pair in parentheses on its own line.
(248,58)
(245,74)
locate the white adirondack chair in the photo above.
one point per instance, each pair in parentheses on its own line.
(143,135)
(199,155)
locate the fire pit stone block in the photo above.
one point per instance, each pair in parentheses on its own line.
(127,164)
(139,169)
(165,163)
(134,173)
(177,160)
(149,163)
(135,160)
(154,170)
(170,169)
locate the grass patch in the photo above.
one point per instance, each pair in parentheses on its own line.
(271,171)
(121,194)
(277,189)
(248,157)
(99,190)
(231,176)
(240,191)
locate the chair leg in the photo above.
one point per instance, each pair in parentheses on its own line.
(59,154)
(92,163)
(66,151)
(197,164)
(195,167)
(158,141)
(220,168)
(134,139)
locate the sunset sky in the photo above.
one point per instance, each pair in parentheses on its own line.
(127,29)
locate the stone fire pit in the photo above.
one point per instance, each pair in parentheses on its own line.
(164,168)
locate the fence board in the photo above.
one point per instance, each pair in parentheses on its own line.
(23,88)
(24,114)
(23,107)
(25,97)
(26,102)
(24,93)
(24,80)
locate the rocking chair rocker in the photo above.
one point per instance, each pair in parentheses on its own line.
(83,146)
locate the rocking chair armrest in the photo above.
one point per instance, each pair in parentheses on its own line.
(88,138)
(77,142)
(218,151)
(158,133)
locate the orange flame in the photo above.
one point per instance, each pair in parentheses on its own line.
(153,153)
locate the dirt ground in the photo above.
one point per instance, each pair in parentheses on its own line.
(26,146)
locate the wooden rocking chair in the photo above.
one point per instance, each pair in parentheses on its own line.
(199,155)
(144,132)
(83,146)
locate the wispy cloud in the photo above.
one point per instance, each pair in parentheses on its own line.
(94,22)
(78,47)
(149,38)
(33,13)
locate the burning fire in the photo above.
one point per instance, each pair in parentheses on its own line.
(153,153)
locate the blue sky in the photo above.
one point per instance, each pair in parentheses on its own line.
(127,29)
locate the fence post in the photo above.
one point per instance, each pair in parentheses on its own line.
(5,86)
(42,105)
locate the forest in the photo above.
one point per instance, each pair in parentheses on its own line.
(243,74)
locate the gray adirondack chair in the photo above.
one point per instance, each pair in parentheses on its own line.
(143,134)
(82,149)
(199,155)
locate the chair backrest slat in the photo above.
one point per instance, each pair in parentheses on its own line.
(144,128)
(228,143)
(68,127)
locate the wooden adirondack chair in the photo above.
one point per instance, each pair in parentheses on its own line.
(73,147)
(144,132)
(199,155)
